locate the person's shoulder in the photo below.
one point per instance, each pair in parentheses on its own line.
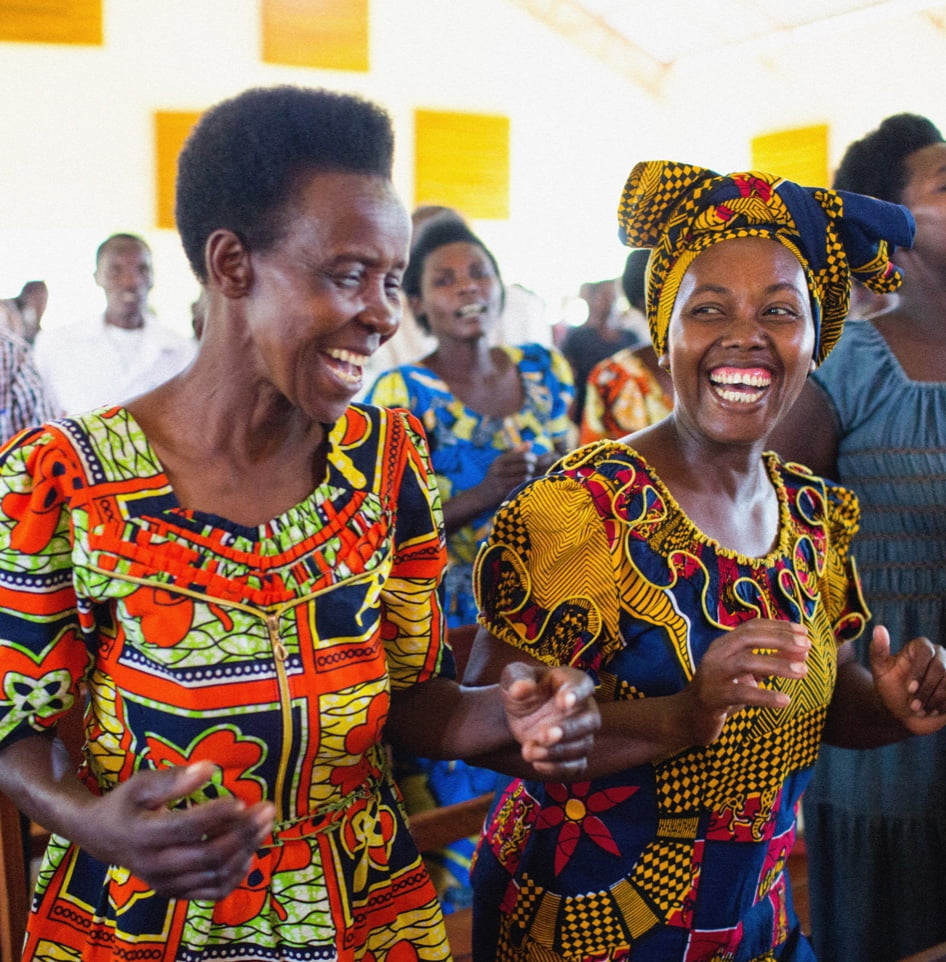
(397,385)
(605,460)
(22,449)
(65,334)
(13,347)
(798,478)
(363,419)
(534,354)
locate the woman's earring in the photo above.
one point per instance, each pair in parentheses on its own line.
(664,362)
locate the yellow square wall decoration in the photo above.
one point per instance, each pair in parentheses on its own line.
(800,154)
(320,34)
(171,129)
(462,160)
(51,21)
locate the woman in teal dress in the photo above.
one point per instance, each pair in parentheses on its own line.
(874,418)
(709,590)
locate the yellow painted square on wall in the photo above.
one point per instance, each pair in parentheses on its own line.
(320,34)
(462,160)
(171,129)
(51,21)
(800,154)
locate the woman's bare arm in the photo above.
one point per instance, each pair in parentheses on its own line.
(641,730)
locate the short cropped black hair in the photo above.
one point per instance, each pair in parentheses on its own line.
(116,238)
(434,233)
(242,161)
(876,164)
(632,280)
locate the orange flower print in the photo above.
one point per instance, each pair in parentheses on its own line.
(235,758)
(250,900)
(575,813)
(36,513)
(165,618)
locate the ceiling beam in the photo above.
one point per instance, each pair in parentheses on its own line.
(597,38)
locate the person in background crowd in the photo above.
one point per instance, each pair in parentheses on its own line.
(874,418)
(25,311)
(602,333)
(117,354)
(24,400)
(708,588)
(494,416)
(236,577)
(628,390)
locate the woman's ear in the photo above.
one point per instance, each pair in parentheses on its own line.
(228,263)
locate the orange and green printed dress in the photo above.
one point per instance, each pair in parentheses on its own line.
(270,650)
(682,860)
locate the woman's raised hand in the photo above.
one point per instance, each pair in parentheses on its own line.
(729,675)
(911,683)
(200,852)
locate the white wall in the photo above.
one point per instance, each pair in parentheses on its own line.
(76,155)
(76,161)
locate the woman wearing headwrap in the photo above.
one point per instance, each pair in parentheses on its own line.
(708,589)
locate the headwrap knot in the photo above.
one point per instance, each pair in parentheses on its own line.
(678,210)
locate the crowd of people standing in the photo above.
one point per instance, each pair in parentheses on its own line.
(706,571)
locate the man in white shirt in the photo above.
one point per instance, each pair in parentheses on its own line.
(121,353)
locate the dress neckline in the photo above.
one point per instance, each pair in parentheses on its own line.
(772,463)
(265,531)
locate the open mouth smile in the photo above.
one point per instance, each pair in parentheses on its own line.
(347,365)
(740,385)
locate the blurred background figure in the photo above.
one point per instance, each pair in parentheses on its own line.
(24,400)
(121,352)
(24,313)
(604,331)
(495,416)
(628,390)
(873,417)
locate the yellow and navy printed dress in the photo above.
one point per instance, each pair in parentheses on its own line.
(595,565)
(271,651)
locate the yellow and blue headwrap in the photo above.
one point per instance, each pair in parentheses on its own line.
(678,210)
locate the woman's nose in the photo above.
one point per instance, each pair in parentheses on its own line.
(382,312)
(743,327)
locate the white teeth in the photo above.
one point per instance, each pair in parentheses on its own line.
(750,380)
(469,309)
(741,397)
(349,357)
(350,368)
